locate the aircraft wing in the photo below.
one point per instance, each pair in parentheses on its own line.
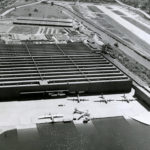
(58,116)
(81,117)
(132,100)
(100,101)
(110,100)
(84,100)
(72,99)
(120,100)
(45,118)
(97,101)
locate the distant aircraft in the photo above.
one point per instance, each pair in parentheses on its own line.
(78,99)
(125,99)
(51,117)
(85,115)
(76,111)
(61,105)
(102,96)
(103,100)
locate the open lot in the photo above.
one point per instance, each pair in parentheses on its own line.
(138,24)
(4,28)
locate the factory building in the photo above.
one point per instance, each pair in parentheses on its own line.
(51,68)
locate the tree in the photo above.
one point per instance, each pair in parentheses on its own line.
(52,3)
(35,10)
(30,14)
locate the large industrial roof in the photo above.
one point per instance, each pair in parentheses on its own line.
(72,67)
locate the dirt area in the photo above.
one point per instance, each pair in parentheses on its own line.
(118,12)
(77,10)
(39,10)
(127,40)
(104,21)
(24,29)
(138,24)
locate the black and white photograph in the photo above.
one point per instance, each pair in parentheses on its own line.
(74,74)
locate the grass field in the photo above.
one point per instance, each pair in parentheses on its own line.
(100,15)
(77,10)
(39,10)
(4,28)
(118,13)
(94,9)
(127,40)
(104,23)
(115,28)
(24,29)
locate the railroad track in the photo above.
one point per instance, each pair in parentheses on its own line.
(112,36)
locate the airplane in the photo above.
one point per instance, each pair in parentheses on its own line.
(125,99)
(78,99)
(85,115)
(82,114)
(51,117)
(76,111)
(104,101)
(61,105)
(102,96)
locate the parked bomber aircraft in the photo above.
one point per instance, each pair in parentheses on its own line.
(125,99)
(51,117)
(82,114)
(76,111)
(78,99)
(103,100)
(85,115)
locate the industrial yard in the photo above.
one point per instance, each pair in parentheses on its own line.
(74,75)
